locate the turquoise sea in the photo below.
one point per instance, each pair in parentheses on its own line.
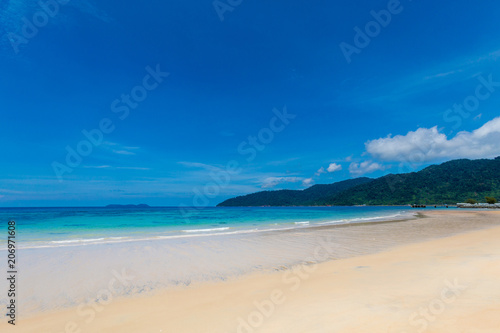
(55,227)
(66,256)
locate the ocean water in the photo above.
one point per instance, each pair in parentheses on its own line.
(59,227)
(66,257)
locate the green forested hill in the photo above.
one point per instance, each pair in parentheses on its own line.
(447,183)
(450,182)
(314,195)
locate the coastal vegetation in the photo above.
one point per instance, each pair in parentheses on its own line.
(490,200)
(447,183)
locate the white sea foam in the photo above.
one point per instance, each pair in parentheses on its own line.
(366,219)
(334,222)
(78,241)
(302,223)
(205,230)
(152,238)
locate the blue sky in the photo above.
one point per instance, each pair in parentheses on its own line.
(389,108)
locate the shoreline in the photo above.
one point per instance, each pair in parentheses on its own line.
(208,231)
(245,289)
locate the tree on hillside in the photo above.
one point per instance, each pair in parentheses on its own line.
(471,201)
(491,200)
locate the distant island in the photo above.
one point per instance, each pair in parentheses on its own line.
(447,183)
(128,206)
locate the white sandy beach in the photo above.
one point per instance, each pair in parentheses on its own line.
(448,284)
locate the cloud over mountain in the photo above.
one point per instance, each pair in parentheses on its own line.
(428,145)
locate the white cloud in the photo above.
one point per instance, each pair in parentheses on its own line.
(97,166)
(320,171)
(111,167)
(428,144)
(358,169)
(331,168)
(334,167)
(438,75)
(118,148)
(198,165)
(307,181)
(271,182)
(123,152)
(133,168)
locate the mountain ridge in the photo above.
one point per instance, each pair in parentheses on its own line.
(306,197)
(446,183)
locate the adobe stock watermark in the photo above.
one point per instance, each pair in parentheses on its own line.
(121,107)
(30,27)
(372,29)
(88,311)
(223,6)
(249,149)
(471,103)
(292,279)
(429,313)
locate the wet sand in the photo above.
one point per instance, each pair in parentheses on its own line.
(434,274)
